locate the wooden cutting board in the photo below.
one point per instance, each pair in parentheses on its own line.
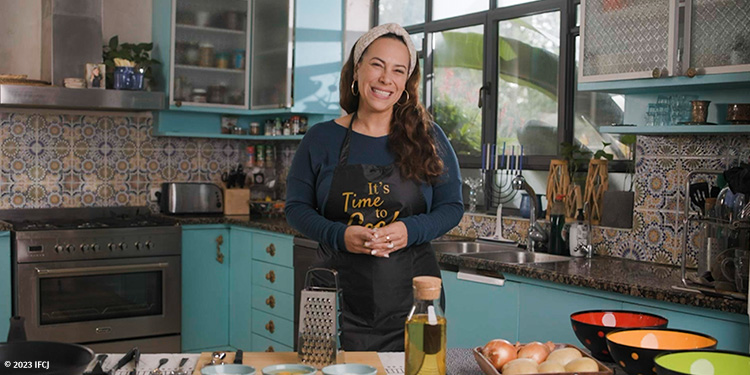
(259,360)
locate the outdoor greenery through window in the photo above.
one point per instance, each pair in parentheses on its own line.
(498,71)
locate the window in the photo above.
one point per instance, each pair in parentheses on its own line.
(504,72)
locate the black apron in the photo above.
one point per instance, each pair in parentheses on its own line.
(376,292)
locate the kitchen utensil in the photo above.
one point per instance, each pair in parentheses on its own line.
(698,192)
(97,370)
(136,359)
(125,359)
(592,325)
(634,349)
(702,362)
(289,368)
(217,358)
(157,370)
(349,369)
(179,370)
(319,329)
(736,268)
(238,357)
(190,198)
(232,369)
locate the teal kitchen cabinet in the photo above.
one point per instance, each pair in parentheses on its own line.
(479,310)
(292,66)
(205,287)
(5,283)
(651,45)
(240,288)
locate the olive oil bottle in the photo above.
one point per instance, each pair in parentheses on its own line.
(425,329)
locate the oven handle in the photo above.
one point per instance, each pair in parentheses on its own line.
(80,271)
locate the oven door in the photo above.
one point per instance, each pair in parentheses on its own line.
(100,300)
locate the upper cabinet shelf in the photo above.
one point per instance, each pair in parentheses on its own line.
(218,30)
(676,129)
(657,45)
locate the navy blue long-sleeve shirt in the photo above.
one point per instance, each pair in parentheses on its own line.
(309,181)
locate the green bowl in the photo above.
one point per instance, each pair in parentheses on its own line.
(228,369)
(293,369)
(702,362)
(349,369)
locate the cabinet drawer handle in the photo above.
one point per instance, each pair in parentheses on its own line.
(271,250)
(270,326)
(270,349)
(271,302)
(271,276)
(219,255)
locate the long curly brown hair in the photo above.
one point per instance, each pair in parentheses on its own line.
(411,134)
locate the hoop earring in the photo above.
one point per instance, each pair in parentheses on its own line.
(407,98)
(354,84)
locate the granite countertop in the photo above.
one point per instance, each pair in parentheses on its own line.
(633,278)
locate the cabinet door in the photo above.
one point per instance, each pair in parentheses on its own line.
(626,39)
(273,37)
(718,33)
(478,312)
(240,288)
(544,313)
(5,283)
(205,288)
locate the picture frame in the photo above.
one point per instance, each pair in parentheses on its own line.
(94,80)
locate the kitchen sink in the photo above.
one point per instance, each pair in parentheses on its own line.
(520,257)
(471,247)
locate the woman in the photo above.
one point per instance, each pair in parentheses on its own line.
(374,187)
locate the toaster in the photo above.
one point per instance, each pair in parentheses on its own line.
(190,198)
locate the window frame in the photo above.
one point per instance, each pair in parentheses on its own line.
(490,19)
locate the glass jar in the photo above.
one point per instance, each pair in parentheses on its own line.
(222,60)
(180,52)
(217,94)
(206,55)
(260,156)
(192,54)
(268,128)
(270,156)
(198,96)
(254,128)
(238,59)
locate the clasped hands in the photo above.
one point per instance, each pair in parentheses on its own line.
(379,242)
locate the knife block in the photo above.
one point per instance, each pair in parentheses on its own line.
(236,201)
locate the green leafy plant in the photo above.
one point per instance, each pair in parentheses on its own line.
(577,157)
(601,154)
(139,53)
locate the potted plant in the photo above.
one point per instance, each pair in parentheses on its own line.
(618,205)
(138,54)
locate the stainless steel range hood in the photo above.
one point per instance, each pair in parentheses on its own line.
(72,37)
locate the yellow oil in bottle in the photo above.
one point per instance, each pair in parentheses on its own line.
(425,345)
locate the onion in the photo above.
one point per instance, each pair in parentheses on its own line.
(534,350)
(499,352)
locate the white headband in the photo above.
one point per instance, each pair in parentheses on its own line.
(376,32)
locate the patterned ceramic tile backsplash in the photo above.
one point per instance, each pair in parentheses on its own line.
(56,159)
(661,169)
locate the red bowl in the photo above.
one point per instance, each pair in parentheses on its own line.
(591,327)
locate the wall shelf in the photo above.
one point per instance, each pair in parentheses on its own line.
(651,85)
(676,129)
(207,69)
(210,29)
(231,136)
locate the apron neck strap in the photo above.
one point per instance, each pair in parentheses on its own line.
(344,152)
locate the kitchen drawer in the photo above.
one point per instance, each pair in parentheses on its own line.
(273,276)
(273,302)
(262,344)
(276,249)
(271,326)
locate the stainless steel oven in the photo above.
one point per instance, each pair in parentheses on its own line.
(107,285)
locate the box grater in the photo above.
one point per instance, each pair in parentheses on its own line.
(319,329)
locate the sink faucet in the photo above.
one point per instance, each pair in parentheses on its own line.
(536,232)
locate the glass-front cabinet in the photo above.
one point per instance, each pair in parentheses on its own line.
(673,39)
(209,45)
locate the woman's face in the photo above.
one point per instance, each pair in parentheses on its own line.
(382,74)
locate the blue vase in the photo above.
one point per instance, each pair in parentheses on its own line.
(124,78)
(525,207)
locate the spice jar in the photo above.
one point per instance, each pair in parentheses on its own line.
(254,128)
(222,60)
(217,94)
(238,59)
(206,55)
(199,96)
(268,127)
(192,53)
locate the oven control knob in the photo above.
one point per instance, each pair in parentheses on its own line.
(69,248)
(137,245)
(148,244)
(94,247)
(58,248)
(111,246)
(122,246)
(84,248)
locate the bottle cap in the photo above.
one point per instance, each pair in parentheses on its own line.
(426,287)
(559,197)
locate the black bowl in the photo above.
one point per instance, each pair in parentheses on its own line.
(592,326)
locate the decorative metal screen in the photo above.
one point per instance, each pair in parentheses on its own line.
(720,33)
(625,36)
